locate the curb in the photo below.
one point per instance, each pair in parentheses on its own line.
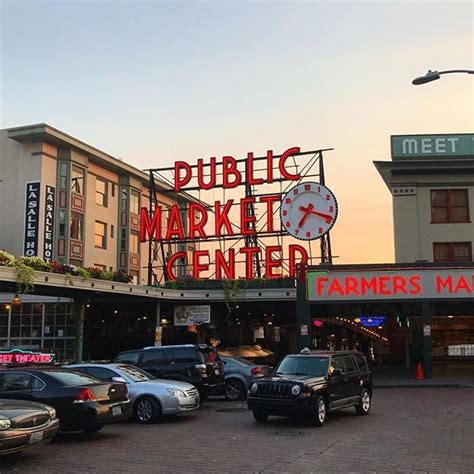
(443,385)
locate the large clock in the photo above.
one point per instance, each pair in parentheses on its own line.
(308,210)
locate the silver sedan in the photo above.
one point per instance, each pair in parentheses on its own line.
(151,397)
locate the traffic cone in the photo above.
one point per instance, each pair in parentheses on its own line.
(419,372)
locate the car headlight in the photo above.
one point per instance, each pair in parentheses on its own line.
(254,388)
(296,390)
(5,423)
(176,392)
(52,413)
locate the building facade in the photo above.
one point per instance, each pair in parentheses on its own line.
(66,201)
(431,179)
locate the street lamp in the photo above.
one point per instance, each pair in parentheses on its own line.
(434,75)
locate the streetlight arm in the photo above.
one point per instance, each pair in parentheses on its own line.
(434,75)
(467,71)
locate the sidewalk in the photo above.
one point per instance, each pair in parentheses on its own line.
(401,377)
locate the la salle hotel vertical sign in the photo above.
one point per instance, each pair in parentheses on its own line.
(49,223)
(32,209)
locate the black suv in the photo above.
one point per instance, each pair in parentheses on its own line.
(196,364)
(311,384)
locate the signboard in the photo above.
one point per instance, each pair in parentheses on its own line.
(413,284)
(17,356)
(49,223)
(372,321)
(32,210)
(445,145)
(426,330)
(158,335)
(303,329)
(186,315)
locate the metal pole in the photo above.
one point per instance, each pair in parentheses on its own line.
(303,310)
(426,323)
(79,312)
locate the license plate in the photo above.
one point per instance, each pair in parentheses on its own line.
(36,437)
(116,411)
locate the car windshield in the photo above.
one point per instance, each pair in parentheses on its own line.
(303,365)
(135,374)
(73,378)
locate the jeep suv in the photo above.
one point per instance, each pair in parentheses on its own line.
(193,363)
(311,384)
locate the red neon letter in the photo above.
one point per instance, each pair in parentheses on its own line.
(201,173)
(399,285)
(293,248)
(270,263)
(169,264)
(153,228)
(352,285)
(221,264)
(440,284)
(246,216)
(270,166)
(175,219)
(197,220)
(281,164)
(462,284)
(229,167)
(270,200)
(222,217)
(335,286)
(249,253)
(415,281)
(249,171)
(320,285)
(178,181)
(197,266)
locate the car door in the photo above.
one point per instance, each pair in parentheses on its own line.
(18,386)
(352,376)
(154,361)
(337,385)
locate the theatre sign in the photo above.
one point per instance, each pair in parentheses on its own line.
(393,284)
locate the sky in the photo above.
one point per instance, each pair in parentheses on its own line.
(153,82)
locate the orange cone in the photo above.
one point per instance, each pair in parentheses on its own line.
(419,372)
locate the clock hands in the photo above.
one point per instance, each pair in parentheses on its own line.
(309,210)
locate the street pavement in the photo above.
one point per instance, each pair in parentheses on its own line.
(408,430)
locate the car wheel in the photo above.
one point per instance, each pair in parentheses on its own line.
(365,403)
(93,429)
(259,416)
(234,390)
(147,410)
(320,411)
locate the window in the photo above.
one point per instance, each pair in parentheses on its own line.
(71,378)
(101,192)
(361,363)
(76,231)
(308,365)
(123,240)
(350,364)
(336,363)
(13,381)
(77,180)
(100,234)
(100,373)
(153,356)
(128,357)
(134,243)
(449,206)
(63,167)
(112,231)
(113,189)
(123,199)
(452,252)
(135,202)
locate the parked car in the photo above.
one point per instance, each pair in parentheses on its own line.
(311,384)
(239,374)
(151,397)
(82,403)
(25,425)
(192,363)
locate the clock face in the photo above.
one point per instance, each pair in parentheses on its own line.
(308,211)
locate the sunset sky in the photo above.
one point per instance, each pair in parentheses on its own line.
(154,82)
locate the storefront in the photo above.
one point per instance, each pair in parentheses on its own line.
(409,313)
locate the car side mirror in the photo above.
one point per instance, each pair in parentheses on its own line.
(119,379)
(336,373)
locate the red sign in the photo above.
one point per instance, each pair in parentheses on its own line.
(215,221)
(17,356)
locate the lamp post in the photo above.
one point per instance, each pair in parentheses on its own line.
(434,75)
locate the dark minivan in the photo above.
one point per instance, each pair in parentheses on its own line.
(196,364)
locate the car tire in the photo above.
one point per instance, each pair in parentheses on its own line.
(147,410)
(259,416)
(234,390)
(365,403)
(93,429)
(320,411)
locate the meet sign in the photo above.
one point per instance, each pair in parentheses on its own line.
(412,284)
(443,145)
(17,356)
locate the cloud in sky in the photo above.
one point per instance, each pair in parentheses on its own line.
(153,82)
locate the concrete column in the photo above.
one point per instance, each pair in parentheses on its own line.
(426,328)
(79,315)
(303,311)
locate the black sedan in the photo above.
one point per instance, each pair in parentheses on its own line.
(25,425)
(82,402)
